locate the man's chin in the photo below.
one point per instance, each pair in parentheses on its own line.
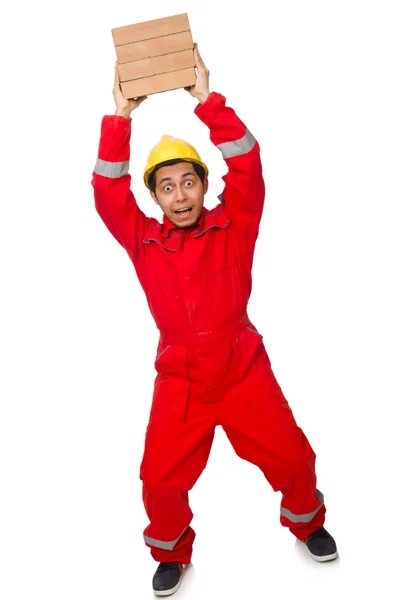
(188,225)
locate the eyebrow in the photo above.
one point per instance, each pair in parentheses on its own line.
(169,178)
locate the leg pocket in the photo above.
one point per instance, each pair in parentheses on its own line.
(247,347)
(169,401)
(161,349)
(252,367)
(171,360)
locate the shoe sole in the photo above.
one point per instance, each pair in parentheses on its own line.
(172,590)
(325,558)
(168,592)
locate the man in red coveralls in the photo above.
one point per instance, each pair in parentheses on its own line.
(212,366)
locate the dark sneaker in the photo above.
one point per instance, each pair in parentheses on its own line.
(321,545)
(167,578)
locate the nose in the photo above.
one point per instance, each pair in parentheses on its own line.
(180,193)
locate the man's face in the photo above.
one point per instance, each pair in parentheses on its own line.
(178,187)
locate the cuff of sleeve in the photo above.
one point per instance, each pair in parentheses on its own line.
(115,123)
(117,118)
(115,138)
(204,110)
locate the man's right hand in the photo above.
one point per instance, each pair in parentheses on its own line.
(124,107)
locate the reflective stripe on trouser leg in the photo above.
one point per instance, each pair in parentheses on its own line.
(305,517)
(161,544)
(302,524)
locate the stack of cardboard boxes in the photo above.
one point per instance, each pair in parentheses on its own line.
(155,56)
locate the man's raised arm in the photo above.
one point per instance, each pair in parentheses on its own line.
(244,192)
(114,200)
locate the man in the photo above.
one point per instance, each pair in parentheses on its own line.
(212,366)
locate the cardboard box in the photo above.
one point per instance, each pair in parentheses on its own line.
(150,29)
(158,83)
(155,56)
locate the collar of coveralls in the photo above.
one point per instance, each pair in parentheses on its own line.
(167,225)
(167,234)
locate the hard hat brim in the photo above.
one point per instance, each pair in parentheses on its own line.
(153,168)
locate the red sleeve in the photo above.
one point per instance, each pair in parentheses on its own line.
(114,200)
(244,192)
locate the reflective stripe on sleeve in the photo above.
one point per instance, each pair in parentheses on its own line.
(238,147)
(160,544)
(111,169)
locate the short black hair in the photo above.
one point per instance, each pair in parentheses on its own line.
(152,178)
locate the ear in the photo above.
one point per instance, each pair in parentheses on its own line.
(153,195)
(205,185)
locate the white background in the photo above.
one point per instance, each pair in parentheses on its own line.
(315,82)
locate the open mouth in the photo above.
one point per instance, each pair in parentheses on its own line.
(183,211)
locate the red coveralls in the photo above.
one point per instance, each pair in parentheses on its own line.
(212,366)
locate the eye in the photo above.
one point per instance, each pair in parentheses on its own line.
(167,188)
(189,182)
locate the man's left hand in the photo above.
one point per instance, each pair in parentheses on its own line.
(201,88)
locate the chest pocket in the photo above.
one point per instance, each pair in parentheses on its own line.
(222,255)
(215,270)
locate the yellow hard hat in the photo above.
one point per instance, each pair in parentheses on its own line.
(170,148)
